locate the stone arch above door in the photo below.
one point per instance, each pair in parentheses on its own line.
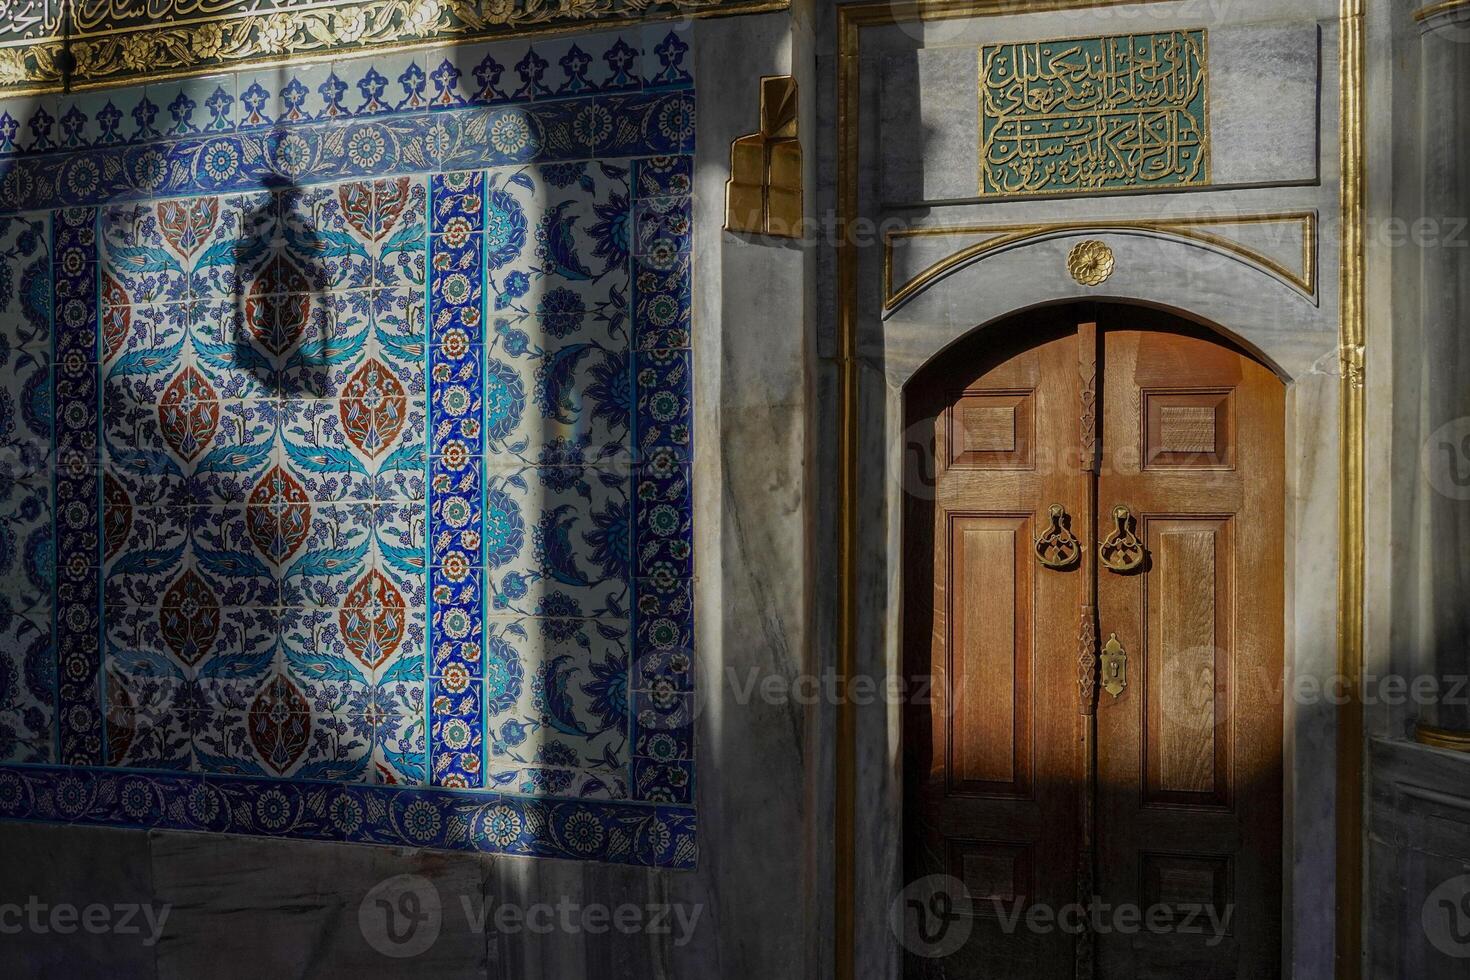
(1254,306)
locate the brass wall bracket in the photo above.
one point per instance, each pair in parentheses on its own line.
(763,194)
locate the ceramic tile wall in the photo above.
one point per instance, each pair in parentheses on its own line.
(372,460)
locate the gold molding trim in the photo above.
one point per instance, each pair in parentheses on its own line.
(1352,65)
(851,19)
(1442,738)
(763,194)
(1436,9)
(305,34)
(1010,235)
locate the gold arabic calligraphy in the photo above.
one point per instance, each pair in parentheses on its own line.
(1090,114)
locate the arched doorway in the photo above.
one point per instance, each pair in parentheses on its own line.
(1094,582)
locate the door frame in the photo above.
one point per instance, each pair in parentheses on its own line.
(1313,943)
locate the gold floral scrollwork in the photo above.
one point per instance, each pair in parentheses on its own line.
(1121,551)
(1057,547)
(763,194)
(115,41)
(1090,262)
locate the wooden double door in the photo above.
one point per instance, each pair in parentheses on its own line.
(1095,588)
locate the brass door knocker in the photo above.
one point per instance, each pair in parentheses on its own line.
(1058,547)
(1121,551)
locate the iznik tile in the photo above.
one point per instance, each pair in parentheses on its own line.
(380,371)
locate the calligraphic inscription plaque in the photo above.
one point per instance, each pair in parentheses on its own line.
(1095,114)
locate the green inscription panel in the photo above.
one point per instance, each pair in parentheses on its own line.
(1126,112)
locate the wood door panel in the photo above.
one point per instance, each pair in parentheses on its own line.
(991,428)
(989,648)
(1192,428)
(1189,756)
(991,762)
(1187,660)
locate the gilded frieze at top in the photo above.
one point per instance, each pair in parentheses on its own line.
(117,41)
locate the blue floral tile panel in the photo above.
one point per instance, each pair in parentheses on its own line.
(346,448)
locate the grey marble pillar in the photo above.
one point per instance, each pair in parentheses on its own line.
(1443,528)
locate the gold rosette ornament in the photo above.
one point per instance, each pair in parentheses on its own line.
(1090,262)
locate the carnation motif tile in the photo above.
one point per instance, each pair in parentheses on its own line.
(399,734)
(397,232)
(320,551)
(149,721)
(398,331)
(324,229)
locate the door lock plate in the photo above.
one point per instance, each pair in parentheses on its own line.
(1114,666)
